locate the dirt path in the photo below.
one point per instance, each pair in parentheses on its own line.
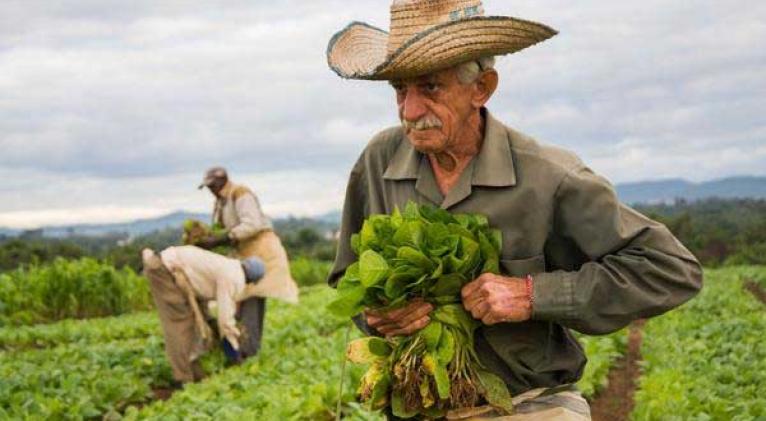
(616,401)
(756,290)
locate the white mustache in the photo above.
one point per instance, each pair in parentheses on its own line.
(429,121)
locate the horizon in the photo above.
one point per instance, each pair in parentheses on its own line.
(157,214)
(112,111)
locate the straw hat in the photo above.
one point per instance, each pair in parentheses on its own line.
(428,35)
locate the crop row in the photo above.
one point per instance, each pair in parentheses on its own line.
(707,360)
(76,381)
(602,351)
(83,332)
(105,366)
(69,289)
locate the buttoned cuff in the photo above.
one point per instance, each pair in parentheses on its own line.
(553,296)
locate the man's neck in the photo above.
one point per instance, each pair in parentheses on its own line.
(450,164)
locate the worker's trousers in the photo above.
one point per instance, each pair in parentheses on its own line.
(182,343)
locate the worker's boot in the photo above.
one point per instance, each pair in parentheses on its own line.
(251,313)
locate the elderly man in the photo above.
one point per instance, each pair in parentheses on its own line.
(251,232)
(573,256)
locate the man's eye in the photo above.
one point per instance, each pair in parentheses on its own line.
(431,87)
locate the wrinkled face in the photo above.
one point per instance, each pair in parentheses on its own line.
(434,109)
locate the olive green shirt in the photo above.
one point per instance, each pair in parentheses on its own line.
(596,263)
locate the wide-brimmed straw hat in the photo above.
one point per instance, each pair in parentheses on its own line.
(428,35)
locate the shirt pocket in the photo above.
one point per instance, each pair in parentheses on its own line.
(522,267)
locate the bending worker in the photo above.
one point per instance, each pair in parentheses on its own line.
(251,233)
(183,279)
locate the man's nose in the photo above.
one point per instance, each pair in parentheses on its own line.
(413,106)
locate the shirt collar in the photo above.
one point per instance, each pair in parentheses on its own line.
(492,167)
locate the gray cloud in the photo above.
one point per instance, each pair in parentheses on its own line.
(105,90)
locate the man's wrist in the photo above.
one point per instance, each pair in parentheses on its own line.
(529,286)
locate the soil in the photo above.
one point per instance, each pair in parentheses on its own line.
(616,401)
(756,290)
(162,393)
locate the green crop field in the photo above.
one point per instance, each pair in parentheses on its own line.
(704,360)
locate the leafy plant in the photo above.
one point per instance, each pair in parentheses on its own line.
(426,253)
(70,289)
(706,360)
(307,271)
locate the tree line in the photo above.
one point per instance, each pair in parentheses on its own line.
(718,231)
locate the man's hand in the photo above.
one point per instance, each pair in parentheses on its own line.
(402,321)
(495,299)
(214,240)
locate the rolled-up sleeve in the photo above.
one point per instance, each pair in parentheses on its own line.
(251,218)
(636,267)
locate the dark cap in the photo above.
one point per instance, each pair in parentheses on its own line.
(213,174)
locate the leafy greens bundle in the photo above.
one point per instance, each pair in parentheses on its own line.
(428,253)
(195,231)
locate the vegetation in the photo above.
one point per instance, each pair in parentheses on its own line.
(706,360)
(82,332)
(72,382)
(308,271)
(717,231)
(602,351)
(428,253)
(70,289)
(703,361)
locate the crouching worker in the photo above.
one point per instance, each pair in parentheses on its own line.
(183,280)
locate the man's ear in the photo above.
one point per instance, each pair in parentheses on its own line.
(485,87)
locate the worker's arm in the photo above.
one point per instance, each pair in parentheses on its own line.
(251,218)
(227,309)
(636,267)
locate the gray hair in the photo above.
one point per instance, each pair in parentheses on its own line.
(469,71)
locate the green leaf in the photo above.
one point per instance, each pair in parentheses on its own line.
(441,377)
(372,268)
(495,390)
(379,346)
(396,284)
(367,236)
(411,211)
(410,233)
(356,243)
(416,258)
(455,315)
(489,254)
(446,350)
(448,285)
(431,335)
(349,302)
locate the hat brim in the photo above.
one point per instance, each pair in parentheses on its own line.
(359,50)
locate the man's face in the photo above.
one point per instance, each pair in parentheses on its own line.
(433,109)
(217,185)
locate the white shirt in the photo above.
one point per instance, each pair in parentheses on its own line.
(212,277)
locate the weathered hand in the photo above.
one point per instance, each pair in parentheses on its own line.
(212,241)
(495,299)
(402,321)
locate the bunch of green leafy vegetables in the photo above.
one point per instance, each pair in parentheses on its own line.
(195,231)
(427,253)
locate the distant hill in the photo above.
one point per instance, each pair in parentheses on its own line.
(667,191)
(137,227)
(645,192)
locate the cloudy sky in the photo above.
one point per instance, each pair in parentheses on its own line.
(111,110)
